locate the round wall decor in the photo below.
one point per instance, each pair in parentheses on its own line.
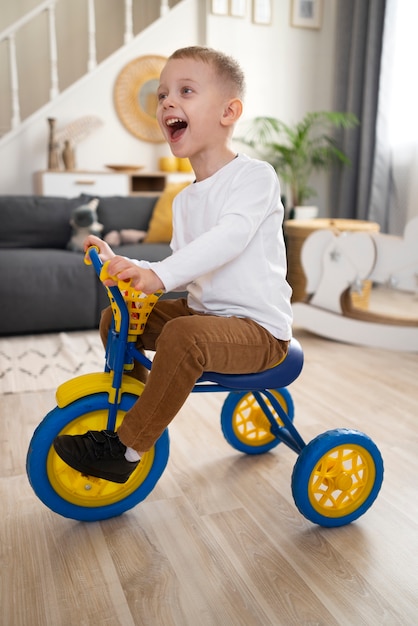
(135,97)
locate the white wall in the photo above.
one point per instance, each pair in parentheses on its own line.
(289,71)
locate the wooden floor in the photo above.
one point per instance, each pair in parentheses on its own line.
(220,541)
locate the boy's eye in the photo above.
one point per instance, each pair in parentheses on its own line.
(161,96)
(186,90)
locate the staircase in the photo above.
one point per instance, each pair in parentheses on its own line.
(24,148)
(43,18)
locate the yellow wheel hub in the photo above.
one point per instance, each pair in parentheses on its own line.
(88,491)
(250,424)
(341,480)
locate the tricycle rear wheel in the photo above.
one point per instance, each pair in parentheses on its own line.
(245,425)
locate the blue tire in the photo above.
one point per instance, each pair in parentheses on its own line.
(83,498)
(337,477)
(244,424)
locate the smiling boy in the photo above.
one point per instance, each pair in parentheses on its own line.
(228,253)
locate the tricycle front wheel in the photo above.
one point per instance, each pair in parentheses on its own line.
(86,498)
(337,477)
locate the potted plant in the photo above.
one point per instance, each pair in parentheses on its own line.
(295,151)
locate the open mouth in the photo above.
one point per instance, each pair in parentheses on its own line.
(176,127)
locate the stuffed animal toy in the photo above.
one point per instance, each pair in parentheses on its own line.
(84,222)
(127,235)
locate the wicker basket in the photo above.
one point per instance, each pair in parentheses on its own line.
(296,231)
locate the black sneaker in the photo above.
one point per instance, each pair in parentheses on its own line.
(97,453)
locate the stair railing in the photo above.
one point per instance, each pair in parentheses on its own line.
(9,35)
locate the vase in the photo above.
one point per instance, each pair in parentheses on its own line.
(53,152)
(68,156)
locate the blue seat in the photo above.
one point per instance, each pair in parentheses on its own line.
(274,378)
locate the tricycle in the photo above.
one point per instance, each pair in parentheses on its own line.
(336,477)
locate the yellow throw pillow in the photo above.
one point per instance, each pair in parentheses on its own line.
(160,227)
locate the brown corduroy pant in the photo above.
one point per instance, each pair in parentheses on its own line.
(186,344)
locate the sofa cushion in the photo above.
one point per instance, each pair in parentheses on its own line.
(161,225)
(45,291)
(151,252)
(125,212)
(36,221)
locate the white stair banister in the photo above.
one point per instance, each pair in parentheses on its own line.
(9,35)
(164,8)
(92,62)
(14,46)
(14,82)
(53,54)
(129,24)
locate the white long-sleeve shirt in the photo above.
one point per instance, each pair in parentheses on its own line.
(228,246)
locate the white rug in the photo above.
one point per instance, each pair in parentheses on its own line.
(38,362)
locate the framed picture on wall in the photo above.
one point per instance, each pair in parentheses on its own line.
(238,8)
(220,7)
(262,11)
(306,13)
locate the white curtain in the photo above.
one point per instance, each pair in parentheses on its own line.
(394,196)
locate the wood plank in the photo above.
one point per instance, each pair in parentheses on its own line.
(220,540)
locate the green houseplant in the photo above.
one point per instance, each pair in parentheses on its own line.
(295,151)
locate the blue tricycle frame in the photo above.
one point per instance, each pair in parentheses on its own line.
(336,477)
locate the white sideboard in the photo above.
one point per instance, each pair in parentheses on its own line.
(73,183)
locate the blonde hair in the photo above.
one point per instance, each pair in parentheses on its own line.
(225,66)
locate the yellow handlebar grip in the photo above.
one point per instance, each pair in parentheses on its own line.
(104,275)
(87,259)
(139,305)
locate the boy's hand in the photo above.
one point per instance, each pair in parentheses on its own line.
(142,279)
(105,251)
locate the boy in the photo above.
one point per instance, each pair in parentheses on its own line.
(228,252)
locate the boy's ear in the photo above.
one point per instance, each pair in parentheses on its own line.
(232,112)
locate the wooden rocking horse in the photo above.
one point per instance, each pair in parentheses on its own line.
(338,264)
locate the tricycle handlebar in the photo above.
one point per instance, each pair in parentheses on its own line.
(130,307)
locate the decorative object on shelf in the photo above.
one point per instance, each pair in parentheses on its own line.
(184,165)
(306,13)
(262,12)
(295,151)
(168,164)
(125,168)
(305,212)
(62,141)
(53,146)
(135,97)
(68,156)
(174,164)
(79,129)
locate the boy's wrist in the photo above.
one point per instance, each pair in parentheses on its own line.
(157,282)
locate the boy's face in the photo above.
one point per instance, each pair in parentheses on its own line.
(191,107)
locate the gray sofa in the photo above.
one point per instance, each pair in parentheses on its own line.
(44,287)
